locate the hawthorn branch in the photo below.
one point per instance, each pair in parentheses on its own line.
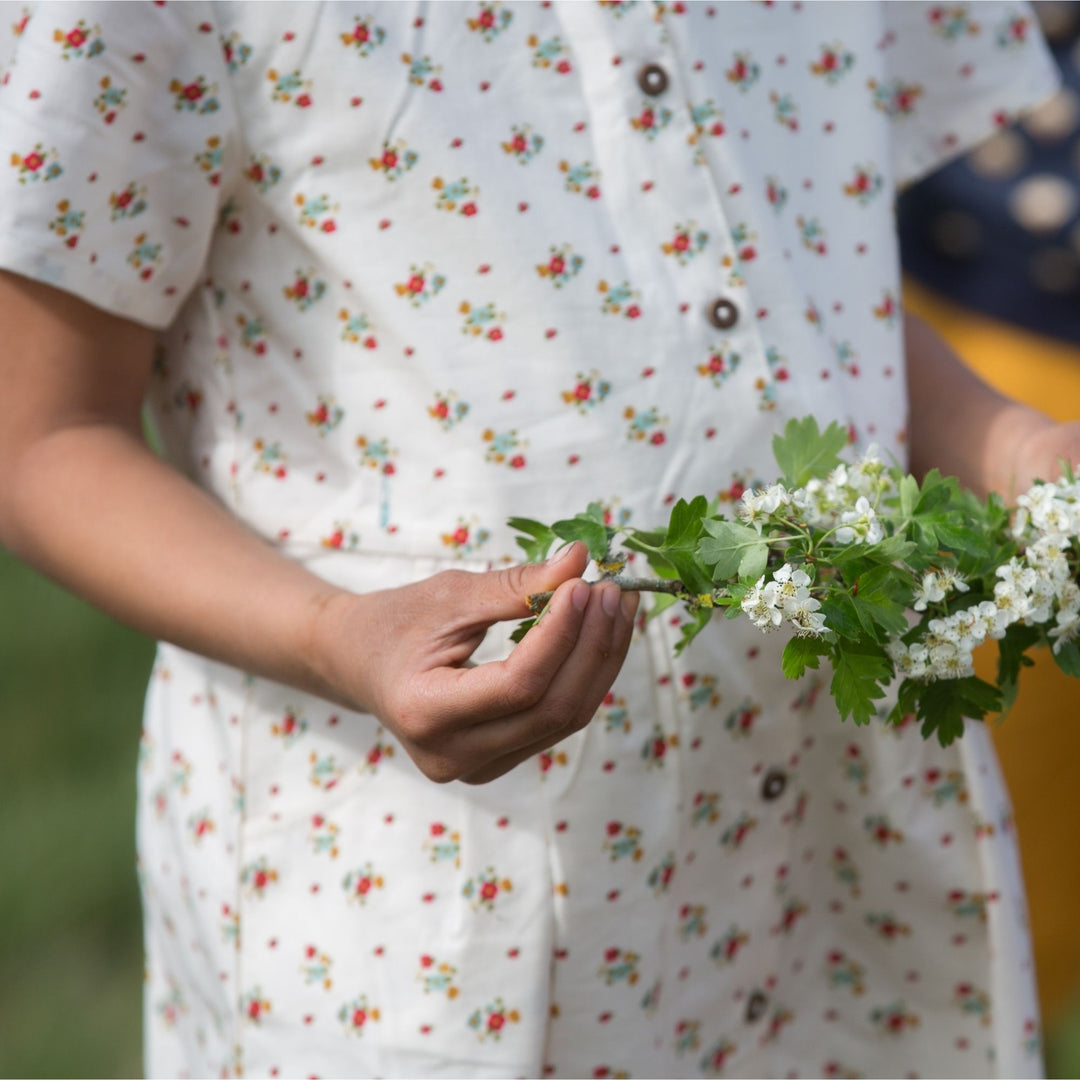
(538,601)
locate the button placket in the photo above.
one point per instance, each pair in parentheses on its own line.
(652,189)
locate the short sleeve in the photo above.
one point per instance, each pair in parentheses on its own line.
(955,74)
(117,137)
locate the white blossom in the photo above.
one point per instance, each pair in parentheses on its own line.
(930,591)
(805,617)
(861,524)
(786,597)
(761,607)
(1067,628)
(758,506)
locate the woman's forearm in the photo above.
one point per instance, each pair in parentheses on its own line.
(89,506)
(84,501)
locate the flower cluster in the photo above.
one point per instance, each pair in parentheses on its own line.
(785,599)
(845,500)
(894,581)
(1031,589)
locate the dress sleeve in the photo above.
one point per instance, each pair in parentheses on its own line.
(955,73)
(117,140)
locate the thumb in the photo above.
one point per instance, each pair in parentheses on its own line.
(503,594)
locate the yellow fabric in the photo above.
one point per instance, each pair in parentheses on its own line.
(1039,743)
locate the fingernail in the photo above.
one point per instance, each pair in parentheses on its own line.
(579,595)
(610,599)
(560,554)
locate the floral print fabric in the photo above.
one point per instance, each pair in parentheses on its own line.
(419,268)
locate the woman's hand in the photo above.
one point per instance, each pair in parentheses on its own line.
(403,655)
(1040,450)
(964,427)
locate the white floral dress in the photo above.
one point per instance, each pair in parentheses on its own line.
(422,267)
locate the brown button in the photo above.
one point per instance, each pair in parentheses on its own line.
(772,787)
(723,314)
(652,79)
(756,1006)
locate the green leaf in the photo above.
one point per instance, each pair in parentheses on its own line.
(660,603)
(648,544)
(890,550)
(803,451)
(595,534)
(690,630)
(909,496)
(754,560)
(677,547)
(907,701)
(937,491)
(689,570)
(801,653)
(684,528)
(946,703)
(841,615)
(882,598)
(522,629)
(1067,657)
(644,540)
(1011,658)
(542,537)
(853,560)
(732,550)
(737,590)
(937,513)
(860,670)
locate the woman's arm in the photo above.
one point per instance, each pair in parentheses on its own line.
(83,500)
(960,425)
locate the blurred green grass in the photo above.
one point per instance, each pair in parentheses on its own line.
(71,689)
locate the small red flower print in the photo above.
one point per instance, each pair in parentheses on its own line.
(255,1006)
(38,165)
(258,876)
(485,889)
(355,1015)
(488,1022)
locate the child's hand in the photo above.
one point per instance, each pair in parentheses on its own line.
(403,654)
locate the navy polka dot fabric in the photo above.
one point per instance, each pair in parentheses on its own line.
(999,229)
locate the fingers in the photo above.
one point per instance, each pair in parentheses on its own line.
(475,723)
(463,697)
(573,696)
(503,594)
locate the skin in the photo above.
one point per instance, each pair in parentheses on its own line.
(962,426)
(86,503)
